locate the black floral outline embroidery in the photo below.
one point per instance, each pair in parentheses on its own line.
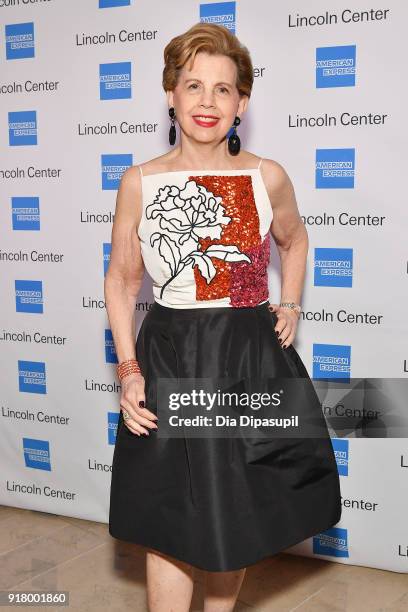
(190,213)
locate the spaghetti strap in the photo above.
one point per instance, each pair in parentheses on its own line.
(260,162)
(141,171)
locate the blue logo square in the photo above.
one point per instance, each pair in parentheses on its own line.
(110,350)
(341,452)
(31,376)
(22,128)
(335,168)
(333,267)
(332,361)
(113,3)
(25,213)
(107,247)
(19,40)
(113,166)
(29,296)
(336,66)
(332,542)
(37,454)
(220,13)
(115,81)
(113,420)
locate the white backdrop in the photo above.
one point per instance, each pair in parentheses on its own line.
(59,392)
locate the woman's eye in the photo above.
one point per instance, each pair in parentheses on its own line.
(195,85)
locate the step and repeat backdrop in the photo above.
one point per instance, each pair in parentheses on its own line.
(81,101)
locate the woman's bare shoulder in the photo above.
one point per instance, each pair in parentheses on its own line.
(271,166)
(130,178)
(274,174)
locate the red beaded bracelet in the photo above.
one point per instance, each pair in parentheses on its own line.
(130,366)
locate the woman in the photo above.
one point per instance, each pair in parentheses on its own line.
(199,220)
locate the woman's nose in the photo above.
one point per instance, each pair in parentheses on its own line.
(207,99)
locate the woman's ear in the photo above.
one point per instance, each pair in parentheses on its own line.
(170,96)
(243,104)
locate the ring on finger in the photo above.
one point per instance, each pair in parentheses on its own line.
(126,415)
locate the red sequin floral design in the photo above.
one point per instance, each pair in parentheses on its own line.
(184,216)
(249,282)
(245,282)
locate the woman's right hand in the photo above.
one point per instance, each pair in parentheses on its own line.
(132,402)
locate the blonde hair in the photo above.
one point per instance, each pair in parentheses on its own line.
(213,39)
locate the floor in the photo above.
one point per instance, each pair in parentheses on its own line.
(41,551)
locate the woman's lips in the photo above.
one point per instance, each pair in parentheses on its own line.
(207,123)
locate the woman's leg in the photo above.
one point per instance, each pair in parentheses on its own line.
(169,583)
(222,590)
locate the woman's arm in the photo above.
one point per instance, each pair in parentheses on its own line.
(291,238)
(122,285)
(288,231)
(126,269)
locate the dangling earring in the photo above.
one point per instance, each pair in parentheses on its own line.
(172,131)
(234,142)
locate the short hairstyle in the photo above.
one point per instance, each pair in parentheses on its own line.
(213,39)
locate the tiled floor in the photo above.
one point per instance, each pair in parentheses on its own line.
(41,551)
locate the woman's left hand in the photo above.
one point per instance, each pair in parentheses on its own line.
(286,325)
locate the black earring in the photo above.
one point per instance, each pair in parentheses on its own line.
(234,142)
(172,132)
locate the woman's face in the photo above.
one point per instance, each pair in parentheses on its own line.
(207,90)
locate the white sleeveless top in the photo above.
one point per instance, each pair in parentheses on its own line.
(204,237)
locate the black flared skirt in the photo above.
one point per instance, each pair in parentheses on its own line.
(219,502)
